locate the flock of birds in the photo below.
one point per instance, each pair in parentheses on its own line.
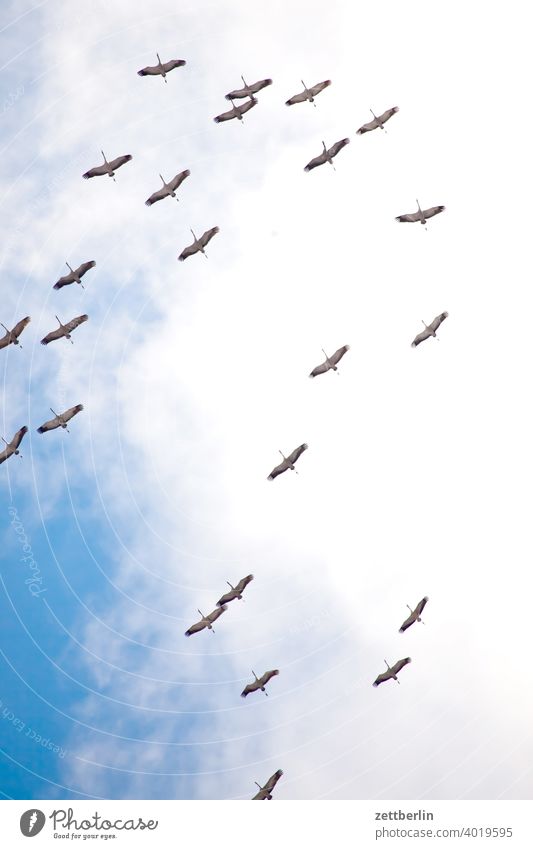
(245,94)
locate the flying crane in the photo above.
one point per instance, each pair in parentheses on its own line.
(12,447)
(235,592)
(288,462)
(259,683)
(392,671)
(414,615)
(11,337)
(75,275)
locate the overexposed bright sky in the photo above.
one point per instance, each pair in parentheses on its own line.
(194,374)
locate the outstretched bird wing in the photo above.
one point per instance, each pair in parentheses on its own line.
(318,160)
(388,114)
(381,678)
(13,445)
(66,280)
(53,335)
(247,105)
(98,171)
(250,688)
(19,436)
(261,794)
(273,780)
(50,425)
(420,606)
(412,216)
(75,322)
(71,412)
(120,160)
(339,354)
(84,267)
(297,452)
(16,331)
(176,182)
(437,321)
(335,148)
(278,470)
(321,369)
(408,622)
(400,665)
(161,193)
(190,250)
(368,127)
(244,583)
(297,98)
(266,676)
(218,611)
(425,334)
(316,89)
(206,237)
(433,210)
(198,626)
(149,71)
(227,597)
(173,63)
(226,116)
(245,92)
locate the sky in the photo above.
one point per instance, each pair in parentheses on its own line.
(193,375)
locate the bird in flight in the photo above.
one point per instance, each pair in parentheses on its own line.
(259,683)
(11,337)
(12,447)
(288,462)
(308,93)
(392,671)
(265,792)
(162,68)
(379,121)
(327,155)
(421,214)
(430,329)
(330,362)
(414,615)
(60,419)
(75,275)
(235,592)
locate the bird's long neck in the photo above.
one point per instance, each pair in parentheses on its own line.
(409,609)
(326,356)
(163,179)
(374,114)
(324,146)
(255,676)
(418,205)
(387,665)
(59,320)
(255,782)
(305,87)
(103,154)
(244,82)
(54,413)
(69,267)
(282,454)
(158,59)
(230,585)
(5,328)
(201,614)
(5,440)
